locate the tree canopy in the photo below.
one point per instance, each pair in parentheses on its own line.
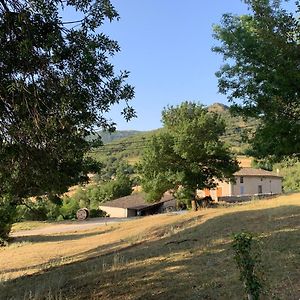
(188,153)
(57,85)
(261,73)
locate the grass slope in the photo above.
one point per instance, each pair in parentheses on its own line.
(159,257)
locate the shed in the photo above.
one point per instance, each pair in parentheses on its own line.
(136,205)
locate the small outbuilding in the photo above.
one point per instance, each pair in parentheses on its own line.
(249,182)
(136,205)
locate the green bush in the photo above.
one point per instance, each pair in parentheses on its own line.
(39,209)
(60,218)
(7,217)
(69,207)
(247,258)
(289,168)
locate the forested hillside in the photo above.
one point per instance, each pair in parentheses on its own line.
(129,148)
(108,137)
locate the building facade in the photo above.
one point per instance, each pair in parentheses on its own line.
(249,182)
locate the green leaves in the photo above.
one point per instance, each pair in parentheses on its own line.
(56,85)
(247,259)
(261,73)
(187,153)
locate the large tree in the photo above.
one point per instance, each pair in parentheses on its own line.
(57,85)
(188,154)
(261,75)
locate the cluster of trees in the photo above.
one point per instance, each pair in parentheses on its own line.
(89,196)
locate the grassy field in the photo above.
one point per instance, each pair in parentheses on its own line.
(158,257)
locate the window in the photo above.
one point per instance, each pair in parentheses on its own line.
(241,179)
(261,179)
(260,189)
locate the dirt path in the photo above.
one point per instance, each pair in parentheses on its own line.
(70,226)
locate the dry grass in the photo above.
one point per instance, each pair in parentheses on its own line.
(245,161)
(29,225)
(133,160)
(159,257)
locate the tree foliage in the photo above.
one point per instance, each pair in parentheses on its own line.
(57,85)
(188,153)
(261,74)
(289,168)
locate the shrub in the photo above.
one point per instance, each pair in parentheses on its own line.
(290,170)
(60,218)
(69,207)
(38,209)
(247,258)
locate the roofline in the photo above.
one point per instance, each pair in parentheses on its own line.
(252,175)
(137,207)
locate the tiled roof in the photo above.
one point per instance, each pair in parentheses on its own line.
(135,201)
(255,172)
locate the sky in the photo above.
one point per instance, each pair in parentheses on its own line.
(166,46)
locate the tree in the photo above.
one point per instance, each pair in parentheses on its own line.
(261,76)
(56,85)
(187,154)
(289,169)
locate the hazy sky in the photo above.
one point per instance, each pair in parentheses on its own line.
(166,45)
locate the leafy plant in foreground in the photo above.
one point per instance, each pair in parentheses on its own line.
(247,259)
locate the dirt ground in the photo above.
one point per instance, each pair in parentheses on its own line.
(68,227)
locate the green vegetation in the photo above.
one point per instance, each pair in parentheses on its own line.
(57,84)
(123,149)
(289,168)
(131,148)
(7,217)
(108,137)
(187,154)
(89,196)
(247,258)
(261,74)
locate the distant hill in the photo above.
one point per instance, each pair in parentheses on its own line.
(108,137)
(218,108)
(128,148)
(129,145)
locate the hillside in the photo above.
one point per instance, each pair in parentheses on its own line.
(108,137)
(166,256)
(131,147)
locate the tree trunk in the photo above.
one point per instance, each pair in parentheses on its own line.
(194,205)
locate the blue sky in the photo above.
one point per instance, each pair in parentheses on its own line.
(166,46)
